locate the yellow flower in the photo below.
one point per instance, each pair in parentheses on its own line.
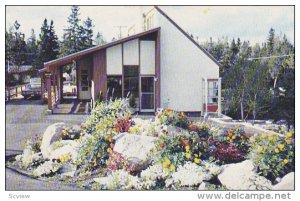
(276,150)
(168,162)
(289,134)
(259,149)
(197,160)
(187,148)
(109,150)
(233,137)
(188,155)
(281,146)
(166,169)
(285,161)
(231,141)
(271,137)
(99,154)
(288,141)
(227,138)
(165,164)
(172,167)
(98,126)
(263,135)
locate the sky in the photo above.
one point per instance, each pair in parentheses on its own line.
(247,22)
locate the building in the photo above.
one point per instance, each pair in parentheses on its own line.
(159,63)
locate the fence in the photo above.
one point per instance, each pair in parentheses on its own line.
(13,92)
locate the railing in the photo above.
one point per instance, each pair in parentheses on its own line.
(13,92)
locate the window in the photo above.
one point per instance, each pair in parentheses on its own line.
(131,81)
(212,91)
(114,87)
(84,80)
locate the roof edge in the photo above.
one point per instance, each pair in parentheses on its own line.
(97,48)
(189,37)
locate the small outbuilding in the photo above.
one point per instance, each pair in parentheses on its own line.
(158,63)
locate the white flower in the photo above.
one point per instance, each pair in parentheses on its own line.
(47,168)
(119,179)
(260,183)
(19,158)
(189,174)
(154,172)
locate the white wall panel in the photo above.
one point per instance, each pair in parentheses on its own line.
(114,60)
(183,65)
(147,65)
(131,52)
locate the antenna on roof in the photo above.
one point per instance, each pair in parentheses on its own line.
(120,27)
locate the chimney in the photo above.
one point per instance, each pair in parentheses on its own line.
(140,26)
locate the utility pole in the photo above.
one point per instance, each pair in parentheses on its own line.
(120,27)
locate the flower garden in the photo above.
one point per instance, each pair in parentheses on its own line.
(114,150)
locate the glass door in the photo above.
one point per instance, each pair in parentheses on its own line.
(147,100)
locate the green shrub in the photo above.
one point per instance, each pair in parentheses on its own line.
(273,154)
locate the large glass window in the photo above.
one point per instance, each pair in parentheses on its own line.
(114,87)
(131,81)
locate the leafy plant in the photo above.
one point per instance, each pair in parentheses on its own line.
(273,154)
(123,125)
(174,118)
(98,132)
(227,153)
(184,146)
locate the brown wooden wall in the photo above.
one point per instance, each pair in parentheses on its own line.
(99,74)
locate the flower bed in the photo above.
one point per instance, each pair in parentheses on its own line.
(112,150)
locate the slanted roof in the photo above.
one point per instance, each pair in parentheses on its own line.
(75,56)
(189,37)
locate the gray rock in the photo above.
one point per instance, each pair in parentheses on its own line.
(68,169)
(202,186)
(137,149)
(237,176)
(286,183)
(53,133)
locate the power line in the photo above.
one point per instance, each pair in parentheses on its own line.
(279,56)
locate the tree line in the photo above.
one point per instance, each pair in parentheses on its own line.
(258,81)
(34,51)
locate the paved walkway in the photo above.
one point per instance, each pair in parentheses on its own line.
(24,119)
(16,182)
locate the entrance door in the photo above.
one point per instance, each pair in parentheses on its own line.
(147,100)
(84,83)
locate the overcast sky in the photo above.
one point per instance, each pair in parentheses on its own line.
(247,22)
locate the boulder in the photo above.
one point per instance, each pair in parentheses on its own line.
(286,183)
(53,133)
(137,149)
(68,169)
(238,176)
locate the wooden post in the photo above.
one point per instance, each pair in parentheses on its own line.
(42,87)
(219,97)
(8,94)
(48,80)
